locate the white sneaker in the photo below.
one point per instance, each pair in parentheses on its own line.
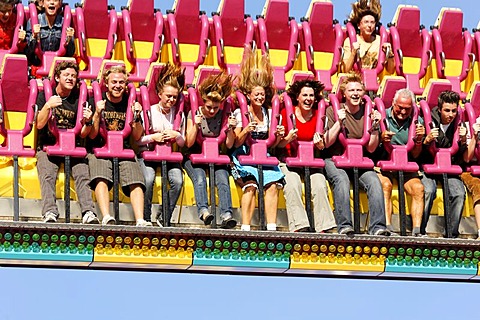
(108,220)
(50,216)
(90,218)
(143,223)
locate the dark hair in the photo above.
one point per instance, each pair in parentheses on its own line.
(65,65)
(297,87)
(448,96)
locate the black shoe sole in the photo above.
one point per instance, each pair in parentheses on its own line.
(208,220)
(228,224)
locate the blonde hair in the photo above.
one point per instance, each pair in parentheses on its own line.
(171,75)
(216,87)
(363,8)
(115,69)
(255,72)
(351,77)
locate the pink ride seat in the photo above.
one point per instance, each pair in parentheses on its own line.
(141,23)
(113,147)
(305,150)
(95,22)
(398,153)
(353,153)
(232,29)
(13,98)
(320,36)
(443,156)
(452,43)
(47,57)
(65,138)
(210,146)
(259,148)
(411,44)
(149,97)
(277,31)
(193,32)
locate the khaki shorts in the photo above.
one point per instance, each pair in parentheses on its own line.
(130,173)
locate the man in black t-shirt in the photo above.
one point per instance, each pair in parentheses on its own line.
(61,108)
(112,109)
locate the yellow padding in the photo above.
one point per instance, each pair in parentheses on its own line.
(453,67)
(29,186)
(138,256)
(323,60)
(411,65)
(188,52)
(336,266)
(278,58)
(96,47)
(16,121)
(233,55)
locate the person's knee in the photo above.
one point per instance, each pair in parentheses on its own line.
(249,190)
(386,185)
(416,190)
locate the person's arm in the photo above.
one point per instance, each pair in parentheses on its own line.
(70,49)
(241,133)
(389,58)
(137,127)
(44,114)
(418,140)
(191,135)
(230,140)
(86,122)
(349,55)
(97,115)
(333,131)
(192,129)
(374,140)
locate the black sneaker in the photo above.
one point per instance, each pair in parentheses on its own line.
(382,232)
(348,231)
(207,218)
(228,223)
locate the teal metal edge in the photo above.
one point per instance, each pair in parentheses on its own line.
(229,262)
(46,256)
(432,270)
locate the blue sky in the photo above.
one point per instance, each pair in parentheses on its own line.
(53,294)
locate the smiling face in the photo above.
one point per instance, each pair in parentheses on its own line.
(116,85)
(306,98)
(448,112)
(168,97)
(367,26)
(257,97)
(210,108)
(353,94)
(52,7)
(67,80)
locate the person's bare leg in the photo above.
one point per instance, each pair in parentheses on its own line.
(248,204)
(271,203)
(103,197)
(136,199)
(387,194)
(414,188)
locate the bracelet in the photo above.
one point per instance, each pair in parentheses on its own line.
(88,123)
(391,56)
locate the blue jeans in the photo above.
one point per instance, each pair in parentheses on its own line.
(457,194)
(198,176)
(369,181)
(175,180)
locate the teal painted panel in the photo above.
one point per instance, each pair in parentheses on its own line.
(235,263)
(37,256)
(432,270)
